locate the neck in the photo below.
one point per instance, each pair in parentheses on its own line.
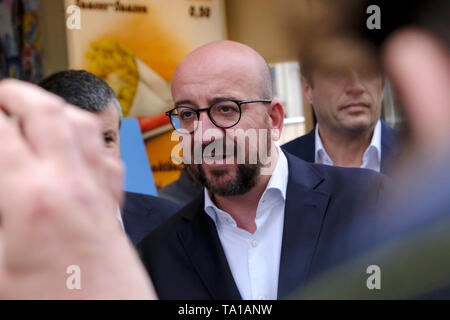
(243,207)
(345,149)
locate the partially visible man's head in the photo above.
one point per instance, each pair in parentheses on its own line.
(340,77)
(218,72)
(86,91)
(417,65)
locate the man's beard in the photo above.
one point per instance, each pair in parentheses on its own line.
(217,181)
(245,179)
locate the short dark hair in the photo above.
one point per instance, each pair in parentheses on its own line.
(306,70)
(82,89)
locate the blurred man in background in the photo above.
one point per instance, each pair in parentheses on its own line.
(141,213)
(347,102)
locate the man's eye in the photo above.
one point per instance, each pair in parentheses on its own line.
(334,74)
(186,115)
(226,109)
(108,140)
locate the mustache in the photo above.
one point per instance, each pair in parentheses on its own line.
(218,148)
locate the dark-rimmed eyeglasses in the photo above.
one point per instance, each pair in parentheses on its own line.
(224,114)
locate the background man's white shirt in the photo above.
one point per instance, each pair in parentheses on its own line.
(254,259)
(119,217)
(371,157)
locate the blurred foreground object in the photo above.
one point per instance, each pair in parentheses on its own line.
(52,159)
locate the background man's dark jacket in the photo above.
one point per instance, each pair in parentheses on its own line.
(143,213)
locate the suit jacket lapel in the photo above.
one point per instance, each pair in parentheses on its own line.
(202,244)
(389,147)
(304,213)
(306,147)
(310,150)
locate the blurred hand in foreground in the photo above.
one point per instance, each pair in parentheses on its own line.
(57,196)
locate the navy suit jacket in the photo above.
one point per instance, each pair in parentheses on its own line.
(185,258)
(304,147)
(142,213)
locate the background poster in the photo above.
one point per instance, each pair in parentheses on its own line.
(135,46)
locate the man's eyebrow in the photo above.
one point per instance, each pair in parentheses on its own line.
(189,102)
(111,132)
(219,99)
(215,100)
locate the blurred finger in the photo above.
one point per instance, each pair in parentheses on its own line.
(14,150)
(15,156)
(88,135)
(428,114)
(42,119)
(107,170)
(114,171)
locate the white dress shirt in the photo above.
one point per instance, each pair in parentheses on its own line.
(371,157)
(254,259)
(119,217)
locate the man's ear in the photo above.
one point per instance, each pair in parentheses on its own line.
(276,114)
(307,89)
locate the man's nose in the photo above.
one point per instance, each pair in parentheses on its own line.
(208,128)
(355,84)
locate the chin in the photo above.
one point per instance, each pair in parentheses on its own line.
(219,174)
(358,124)
(230,180)
(220,182)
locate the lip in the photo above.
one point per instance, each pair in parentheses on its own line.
(356,106)
(216,163)
(214,157)
(217,157)
(227,151)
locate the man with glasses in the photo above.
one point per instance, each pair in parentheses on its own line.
(266,220)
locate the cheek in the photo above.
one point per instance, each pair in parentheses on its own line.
(113,151)
(375,88)
(326,96)
(376,93)
(253,119)
(248,128)
(186,143)
(321,105)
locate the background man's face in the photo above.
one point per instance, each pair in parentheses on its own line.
(346,100)
(201,84)
(109,119)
